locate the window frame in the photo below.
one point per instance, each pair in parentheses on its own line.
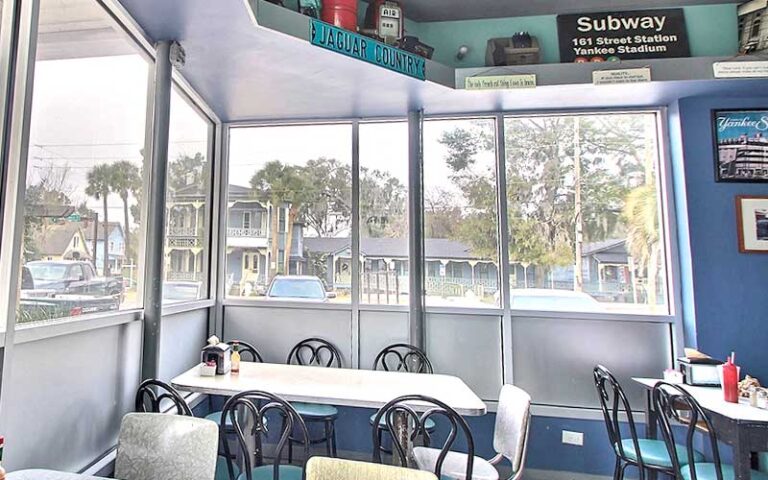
(186,94)
(667,221)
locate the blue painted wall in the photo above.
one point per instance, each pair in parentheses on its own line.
(726,288)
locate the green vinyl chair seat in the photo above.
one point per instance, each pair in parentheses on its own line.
(429,424)
(267,472)
(706,471)
(222,472)
(654,452)
(313,410)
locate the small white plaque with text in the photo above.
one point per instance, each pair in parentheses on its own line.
(622,76)
(500,82)
(740,69)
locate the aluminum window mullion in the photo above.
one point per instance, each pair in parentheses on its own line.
(504,267)
(15,154)
(416,318)
(222,223)
(355,244)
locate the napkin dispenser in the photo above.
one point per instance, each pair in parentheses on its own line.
(221,354)
(700,372)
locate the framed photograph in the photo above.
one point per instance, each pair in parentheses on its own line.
(752,217)
(741,145)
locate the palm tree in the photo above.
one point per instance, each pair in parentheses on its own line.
(279,184)
(641,214)
(99,187)
(125,180)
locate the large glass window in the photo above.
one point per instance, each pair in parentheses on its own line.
(188,204)
(82,225)
(384,213)
(295,184)
(460,213)
(584,213)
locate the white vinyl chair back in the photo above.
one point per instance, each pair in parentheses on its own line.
(322,468)
(166,447)
(510,437)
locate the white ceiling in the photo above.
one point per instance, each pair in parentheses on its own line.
(249,73)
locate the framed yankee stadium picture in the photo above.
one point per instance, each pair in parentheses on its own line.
(752,219)
(741,145)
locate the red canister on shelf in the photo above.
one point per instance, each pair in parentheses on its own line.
(342,13)
(731,381)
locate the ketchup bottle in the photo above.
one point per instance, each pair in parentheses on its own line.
(731,381)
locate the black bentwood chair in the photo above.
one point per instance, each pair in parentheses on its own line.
(246,351)
(399,413)
(152,393)
(253,406)
(645,454)
(680,414)
(401,357)
(318,353)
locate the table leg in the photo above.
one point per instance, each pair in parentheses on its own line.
(650,425)
(251,441)
(742,458)
(402,435)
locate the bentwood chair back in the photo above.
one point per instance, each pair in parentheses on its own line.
(645,454)
(166,447)
(248,352)
(152,395)
(315,352)
(402,357)
(441,461)
(322,468)
(247,413)
(681,416)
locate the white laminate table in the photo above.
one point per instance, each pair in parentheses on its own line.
(335,386)
(338,386)
(48,475)
(743,427)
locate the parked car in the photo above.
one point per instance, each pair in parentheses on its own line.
(553,300)
(39,304)
(298,288)
(73,277)
(174,292)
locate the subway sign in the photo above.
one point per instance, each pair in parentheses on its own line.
(629,35)
(366,49)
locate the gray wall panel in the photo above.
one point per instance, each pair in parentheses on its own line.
(554,358)
(274,331)
(468,346)
(378,330)
(68,395)
(183,335)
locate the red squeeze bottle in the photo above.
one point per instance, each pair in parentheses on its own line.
(730,381)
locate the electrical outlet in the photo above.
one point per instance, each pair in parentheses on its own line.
(573,438)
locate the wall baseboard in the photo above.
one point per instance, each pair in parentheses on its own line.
(532,474)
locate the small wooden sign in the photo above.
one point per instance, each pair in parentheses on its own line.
(500,82)
(752,69)
(621,76)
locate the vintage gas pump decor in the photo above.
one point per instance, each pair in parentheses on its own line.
(384,20)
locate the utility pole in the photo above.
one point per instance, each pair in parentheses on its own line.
(578,276)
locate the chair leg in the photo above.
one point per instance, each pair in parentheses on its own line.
(623,469)
(328,437)
(617,470)
(333,438)
(290,451)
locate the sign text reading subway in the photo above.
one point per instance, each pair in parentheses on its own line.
(623,35)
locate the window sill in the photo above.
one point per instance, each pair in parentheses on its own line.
(73,325)
(183,307)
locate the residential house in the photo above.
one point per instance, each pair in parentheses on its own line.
(61,241)
(115,240)
(249,237)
